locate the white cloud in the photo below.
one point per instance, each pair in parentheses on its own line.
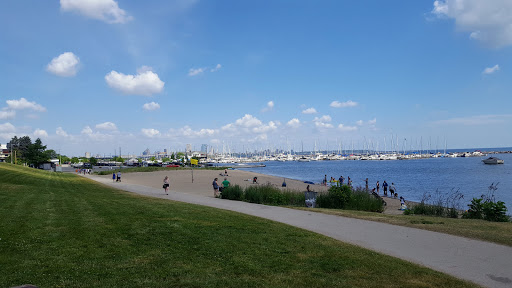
(7,114)
(61,132)
(104,10)
(40,133)
(249,126)
(146,82)
(216,68)
(490,70)
(248,121)
(270,106)
(323,122)
(349,103)
(152,106)
(109,126)
(150,132)
(309,111)
(359,123)
(65,65)
(24,104)
(373,121)
(195,72)
(7,127)
(87,130)
(186,131)
(487,21)
(294,123)
(342,127)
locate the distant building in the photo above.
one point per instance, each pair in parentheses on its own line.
(189,149)
(4,152)
(146,152)
(165,151)
(204,148)
(87,155)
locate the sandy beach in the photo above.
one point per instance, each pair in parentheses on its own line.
(181,181)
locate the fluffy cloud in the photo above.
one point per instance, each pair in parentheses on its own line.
(65,65)
(487,21)
(216,68)
(151,106)
(146,82)
(270,106)
(372,122)
(294,123)
(61,132)
(40,133)
(104,10)
(342,127)
(7,127)
(150,132)
(195,72)
(359,123)
(7,114)
(323,122)
(87,130)
(109,126)
(24,104)
(490,70)
(309,111)
(349,103)
(249,125)
(186,131)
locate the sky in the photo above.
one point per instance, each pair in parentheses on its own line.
(99,75)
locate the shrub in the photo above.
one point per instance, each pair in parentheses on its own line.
(336,197)
(361,200)
(486,207)
(234,192)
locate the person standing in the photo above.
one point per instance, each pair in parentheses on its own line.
(385,187)
(225,172)
(378,187)
(118,176)
(225,183)
(215,188)
(325,180)
(166,185)
(349,182)
(341,179)
(392,190)
(113,177)
(366,184)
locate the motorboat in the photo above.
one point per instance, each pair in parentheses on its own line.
(493,160)
(303,159)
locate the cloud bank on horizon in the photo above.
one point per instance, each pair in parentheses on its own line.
(285,82)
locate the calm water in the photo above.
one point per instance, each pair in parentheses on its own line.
(412,178)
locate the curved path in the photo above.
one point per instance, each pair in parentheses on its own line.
(481,262)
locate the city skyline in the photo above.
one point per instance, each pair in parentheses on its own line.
(95,76)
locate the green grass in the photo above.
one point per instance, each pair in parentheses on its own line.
(497,232)
(61,230)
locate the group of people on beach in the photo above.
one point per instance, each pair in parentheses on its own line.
(116,177)
(385,185)
(217,189)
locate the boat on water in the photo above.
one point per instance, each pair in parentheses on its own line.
(303,159)
(493,160)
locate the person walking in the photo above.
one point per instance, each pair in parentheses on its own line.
(118,176)
(385,187)
(166,185)
(341,179)
(349,182)
(215,188)
(378,187)
(366,184)
(113,177)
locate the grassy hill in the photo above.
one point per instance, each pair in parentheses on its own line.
(61,230)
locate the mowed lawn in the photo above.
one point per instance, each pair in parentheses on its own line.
(61,230)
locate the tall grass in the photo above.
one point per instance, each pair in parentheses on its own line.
(264,194)
(439,204)
(346,197)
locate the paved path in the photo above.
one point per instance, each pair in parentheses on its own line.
(481,262)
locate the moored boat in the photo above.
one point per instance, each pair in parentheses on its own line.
(493,160)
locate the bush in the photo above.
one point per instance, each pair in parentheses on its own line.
(361,200)
(486,207)
(336,197)
(439,204)
(234,192)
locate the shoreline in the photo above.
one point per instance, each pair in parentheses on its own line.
(201,185)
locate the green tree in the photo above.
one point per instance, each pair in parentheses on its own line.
(153,159)
(19,147)
(75,160)
(64,159)
(166,159)
(93,161)
(52,154)
(173,157)
(35,154)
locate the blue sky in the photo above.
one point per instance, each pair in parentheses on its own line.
(93,76)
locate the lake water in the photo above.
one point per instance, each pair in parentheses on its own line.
(412,178)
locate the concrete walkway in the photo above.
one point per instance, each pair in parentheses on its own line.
(481,262)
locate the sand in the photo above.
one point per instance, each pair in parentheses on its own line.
(181,181)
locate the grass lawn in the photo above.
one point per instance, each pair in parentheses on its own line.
(61,230)
(497,232)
